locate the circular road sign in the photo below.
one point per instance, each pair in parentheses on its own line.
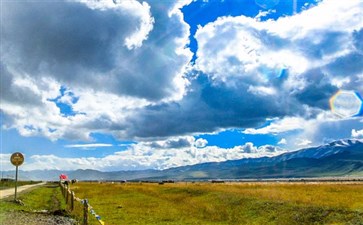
(17,159)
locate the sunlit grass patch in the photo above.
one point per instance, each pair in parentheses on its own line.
(47,198)
(205,203)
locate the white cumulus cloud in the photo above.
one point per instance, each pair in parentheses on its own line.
(282,142)
(165,154)
(357,133)
(201,143)
(303,142)
(243,47)
(279,126)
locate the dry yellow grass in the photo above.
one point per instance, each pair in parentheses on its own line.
(232,203)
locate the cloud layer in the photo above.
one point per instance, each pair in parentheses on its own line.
(112,56)
(248,72)
(106,47)
(70,69)
(147,155)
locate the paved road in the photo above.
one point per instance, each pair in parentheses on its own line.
(11,191)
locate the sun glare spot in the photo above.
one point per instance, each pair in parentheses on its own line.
(267,4)
(346,103)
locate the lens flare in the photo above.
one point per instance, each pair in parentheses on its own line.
(267,4)
(294,6)
(346,104)
(268,73)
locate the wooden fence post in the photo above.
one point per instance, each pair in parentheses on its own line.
(85,212)
(72,200)
(67,195)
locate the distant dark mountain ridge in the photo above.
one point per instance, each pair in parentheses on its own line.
(339,158)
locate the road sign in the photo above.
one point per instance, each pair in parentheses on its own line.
(17,159)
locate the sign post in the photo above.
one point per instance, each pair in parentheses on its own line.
(16,159)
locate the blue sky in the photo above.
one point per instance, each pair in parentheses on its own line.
(124,85)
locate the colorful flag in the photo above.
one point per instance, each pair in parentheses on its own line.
(63,177)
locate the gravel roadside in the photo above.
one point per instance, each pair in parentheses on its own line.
(26,218)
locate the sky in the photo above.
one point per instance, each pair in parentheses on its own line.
(133,85)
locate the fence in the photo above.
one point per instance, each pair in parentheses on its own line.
(86,208)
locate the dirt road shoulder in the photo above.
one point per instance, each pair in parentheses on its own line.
(11,191)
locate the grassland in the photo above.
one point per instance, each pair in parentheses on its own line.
(244,203)
(46,197)
(10,184)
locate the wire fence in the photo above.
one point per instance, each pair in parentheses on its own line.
(80,208)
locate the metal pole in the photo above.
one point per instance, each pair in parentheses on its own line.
(16,182)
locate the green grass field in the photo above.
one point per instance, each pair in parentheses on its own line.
(244,203)
(47,197)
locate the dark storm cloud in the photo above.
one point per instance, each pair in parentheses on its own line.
(182,142)
(318,90)
(348,65)
(13,93)
(209,108)
(64,36)
(83,47)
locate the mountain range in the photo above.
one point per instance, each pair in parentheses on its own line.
(340,158)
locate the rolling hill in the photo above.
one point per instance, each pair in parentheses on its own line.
(339,158)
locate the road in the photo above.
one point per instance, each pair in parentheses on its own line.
(9,192)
